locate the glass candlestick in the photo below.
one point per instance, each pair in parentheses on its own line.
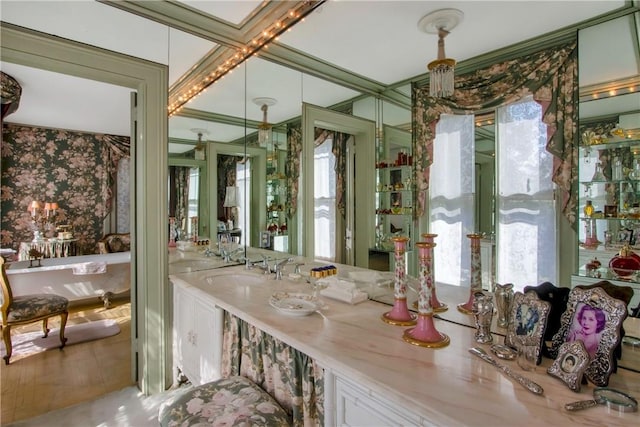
(476,273)
(400,314)
(425,334)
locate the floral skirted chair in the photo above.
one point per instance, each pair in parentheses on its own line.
(234,401)
(25,309)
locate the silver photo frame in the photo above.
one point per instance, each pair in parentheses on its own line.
(570,364)
(528,321)
(594,318)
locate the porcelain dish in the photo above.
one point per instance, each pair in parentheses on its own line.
(294,304)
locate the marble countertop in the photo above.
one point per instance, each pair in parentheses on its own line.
(446,386)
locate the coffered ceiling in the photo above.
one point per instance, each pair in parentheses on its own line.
(342,50)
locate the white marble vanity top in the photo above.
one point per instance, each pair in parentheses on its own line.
(447,386)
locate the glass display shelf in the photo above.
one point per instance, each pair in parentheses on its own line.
(611,144)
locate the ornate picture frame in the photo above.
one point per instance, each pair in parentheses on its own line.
(570,364)
(594,318)
(528,322)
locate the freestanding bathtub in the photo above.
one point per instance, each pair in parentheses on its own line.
(81,279)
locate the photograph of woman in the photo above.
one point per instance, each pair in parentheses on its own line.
(587,327)
(568,364)
(527,319)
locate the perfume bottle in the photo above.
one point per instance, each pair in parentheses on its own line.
(588,209)
(598,175)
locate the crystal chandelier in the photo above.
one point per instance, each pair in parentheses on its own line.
(264,128)
(441,70)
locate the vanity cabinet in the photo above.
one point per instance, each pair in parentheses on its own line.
(358,406)
(609,205)
(197,334)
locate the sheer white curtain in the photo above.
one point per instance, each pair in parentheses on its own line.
(194,192)
(243,182)
(451,197)
(324,193)
(526,224)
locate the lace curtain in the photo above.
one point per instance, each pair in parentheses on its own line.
(451,202)
(551,76)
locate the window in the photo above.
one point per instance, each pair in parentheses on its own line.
(525,220)
(324,191)
(243,213)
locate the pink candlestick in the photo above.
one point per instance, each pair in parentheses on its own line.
(476,273)
(400,314)
(425,334)
(438,306)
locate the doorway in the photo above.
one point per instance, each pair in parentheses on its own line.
(362,170)
(150,315)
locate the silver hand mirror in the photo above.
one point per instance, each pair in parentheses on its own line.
(614,399)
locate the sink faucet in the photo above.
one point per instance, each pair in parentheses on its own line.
(227,255)
(262,264)
(208,252)
(280,265)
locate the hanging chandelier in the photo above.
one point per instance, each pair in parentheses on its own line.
(441,70)
(264,128)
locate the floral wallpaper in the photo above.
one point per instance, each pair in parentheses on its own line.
(75,169)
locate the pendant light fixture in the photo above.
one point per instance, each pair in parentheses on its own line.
(441,70)
(264,128)
(199,149)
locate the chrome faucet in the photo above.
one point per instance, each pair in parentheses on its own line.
(279,266)
(227,255)
(262,264)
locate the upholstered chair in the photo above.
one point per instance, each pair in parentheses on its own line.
(26,309)
(114,242)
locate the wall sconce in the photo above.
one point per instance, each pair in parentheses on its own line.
(441,70)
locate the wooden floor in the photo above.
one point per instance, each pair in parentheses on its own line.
(53,379)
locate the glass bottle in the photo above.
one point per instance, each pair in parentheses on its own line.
(588,209)
(598,175)
(616,172)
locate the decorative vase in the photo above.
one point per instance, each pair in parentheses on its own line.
(626,263)
(504,302)
(425,334)
(400,314)
(476,273)
(437,306)
(483,314)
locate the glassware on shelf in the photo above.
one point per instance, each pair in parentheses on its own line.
(588,209)
(616,169)
(635,172)
(598,175)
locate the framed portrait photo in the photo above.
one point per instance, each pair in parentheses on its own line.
(595,319)
(529,316)
(570,364)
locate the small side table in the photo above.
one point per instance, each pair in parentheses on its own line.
(49,248)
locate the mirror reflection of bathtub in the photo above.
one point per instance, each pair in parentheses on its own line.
(83,280)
